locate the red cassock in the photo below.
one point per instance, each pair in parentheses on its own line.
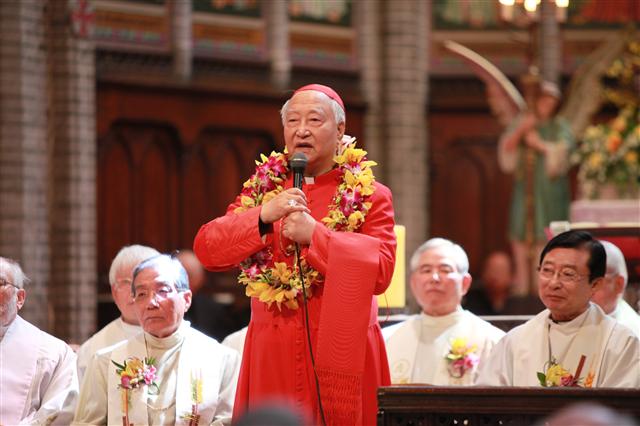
(351,360)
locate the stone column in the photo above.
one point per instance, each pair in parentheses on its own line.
(370,58)
(181,43)
(72,183)
(549,43)
(23,149)
(404,99)
(277,32)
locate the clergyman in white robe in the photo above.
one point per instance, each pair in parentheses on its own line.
(185,354)
(114,332)
(417,348)
(626,316)
(611,351)
(38,379)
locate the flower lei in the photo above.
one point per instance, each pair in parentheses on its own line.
(135,373)
(461,357)
(271,281)
(555,375)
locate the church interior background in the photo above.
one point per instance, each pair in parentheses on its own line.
(137,121)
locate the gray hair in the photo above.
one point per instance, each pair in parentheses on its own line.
(460,256)
(171,268)
(12,269)
(338,112)
(615,260)
(128,257)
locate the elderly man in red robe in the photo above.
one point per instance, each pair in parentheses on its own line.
(342,220)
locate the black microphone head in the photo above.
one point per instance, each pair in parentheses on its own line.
(298,162)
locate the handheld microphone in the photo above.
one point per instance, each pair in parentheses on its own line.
(298,164)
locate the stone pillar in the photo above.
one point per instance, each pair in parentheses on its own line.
(549,43)
(404,99)
(181,43)
(370,50)
(23,149)
(72,183)
(277,31)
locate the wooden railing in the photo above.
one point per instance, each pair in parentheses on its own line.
(420,405)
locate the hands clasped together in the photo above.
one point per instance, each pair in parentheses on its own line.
(290,207)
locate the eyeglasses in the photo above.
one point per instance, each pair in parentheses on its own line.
(162,293)
(4,283)
(565,275)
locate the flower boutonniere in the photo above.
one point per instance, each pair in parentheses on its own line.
(461,357)
(196,399)
(135,373)
(555,375)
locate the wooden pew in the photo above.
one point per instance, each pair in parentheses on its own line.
(420,405)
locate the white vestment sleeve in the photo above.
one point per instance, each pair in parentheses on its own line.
(622,361)
(231,371)
(496,370)
(92,403)
(56,390)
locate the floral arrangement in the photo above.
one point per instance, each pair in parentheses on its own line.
(271,281)
(461,357)
(135,372)
(610,152)
(555,375)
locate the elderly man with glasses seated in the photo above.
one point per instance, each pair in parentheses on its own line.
(38,380)
(572,342)
(171,373)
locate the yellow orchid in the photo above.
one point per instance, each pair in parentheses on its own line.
(555,374)
(355,219)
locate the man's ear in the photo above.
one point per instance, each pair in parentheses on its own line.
(595,285)
(20,296)
(341,129)
(619,284)
(466,283)
(188,296)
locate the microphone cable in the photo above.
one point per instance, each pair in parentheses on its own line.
(308,330)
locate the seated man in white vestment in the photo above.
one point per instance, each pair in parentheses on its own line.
(572,342)
(171,373)
(126,325)
(609,294)
(444,344)
(38,380)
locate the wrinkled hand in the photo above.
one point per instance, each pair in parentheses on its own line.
(287,202)
(299,227)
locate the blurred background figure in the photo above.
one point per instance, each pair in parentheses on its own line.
(494,294)
(609,294)
(207,315)
(126,325)
(588,414)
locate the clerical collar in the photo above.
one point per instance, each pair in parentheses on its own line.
(430,320)
(129,328)
(309,180)
(170,341)
(572,324)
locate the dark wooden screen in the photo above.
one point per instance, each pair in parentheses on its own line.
(480,406)
(469,194)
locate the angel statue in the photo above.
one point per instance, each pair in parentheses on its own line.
(536,144)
